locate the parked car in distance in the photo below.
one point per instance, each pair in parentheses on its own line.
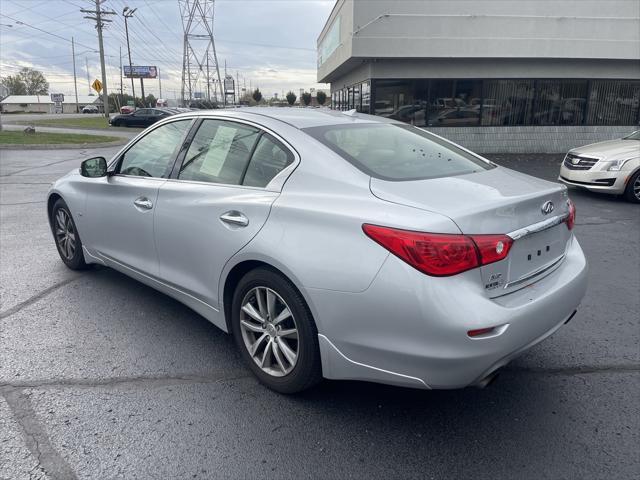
(347,246)
(143,117)
(90,109)
(608,167)
(126,109)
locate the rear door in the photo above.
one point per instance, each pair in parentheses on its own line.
(216,202)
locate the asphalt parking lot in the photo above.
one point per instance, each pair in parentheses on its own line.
(102,377)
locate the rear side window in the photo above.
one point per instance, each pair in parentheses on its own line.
(397,152)
(219,152)
(269,159)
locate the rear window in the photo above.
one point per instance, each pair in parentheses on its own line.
(397,152)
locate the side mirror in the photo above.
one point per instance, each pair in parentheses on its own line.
(94,167)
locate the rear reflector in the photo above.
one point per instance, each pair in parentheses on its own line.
(439,254)
(480,331)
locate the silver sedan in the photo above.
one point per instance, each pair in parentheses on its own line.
(332,245)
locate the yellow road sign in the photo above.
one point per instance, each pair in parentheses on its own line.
(97,85)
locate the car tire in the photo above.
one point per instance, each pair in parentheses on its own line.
(271,361)
(66,236)
(632,192)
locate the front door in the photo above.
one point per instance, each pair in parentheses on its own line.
(217,203)
(120,207)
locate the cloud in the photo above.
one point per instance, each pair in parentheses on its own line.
(270,43)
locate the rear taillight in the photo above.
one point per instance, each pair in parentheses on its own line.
(571,219)
(439,254)
(492,248)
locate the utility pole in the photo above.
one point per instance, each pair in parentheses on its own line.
(160,82)
(75,79)
(86,64)
(96,15)
(121,74)
(128,13)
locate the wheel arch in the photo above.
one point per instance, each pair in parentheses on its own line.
(51,201)
(234,273)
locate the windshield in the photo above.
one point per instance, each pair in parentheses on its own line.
(634,136)
(397,152)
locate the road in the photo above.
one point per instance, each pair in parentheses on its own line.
(102,377)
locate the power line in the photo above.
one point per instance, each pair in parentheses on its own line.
(19,22)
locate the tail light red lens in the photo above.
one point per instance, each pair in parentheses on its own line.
(492,248)
(438,254)
(571,219)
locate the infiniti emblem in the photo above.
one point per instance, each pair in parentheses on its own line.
(547,208)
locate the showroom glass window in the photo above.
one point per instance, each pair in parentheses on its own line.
(614,103)
(507,102)
(356,98)
(392,96)
(455,103)
(366,96)
(153,155)
(560,102)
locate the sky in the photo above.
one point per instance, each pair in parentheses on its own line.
(270,44)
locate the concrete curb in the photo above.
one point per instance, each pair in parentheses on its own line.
(61,146)
(109,129)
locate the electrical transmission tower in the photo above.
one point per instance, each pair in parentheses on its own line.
(199,62)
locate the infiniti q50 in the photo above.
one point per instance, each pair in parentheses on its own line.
(333,245)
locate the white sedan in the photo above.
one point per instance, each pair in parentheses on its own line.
(609,167)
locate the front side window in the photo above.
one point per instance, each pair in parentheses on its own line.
(219,152)
(397,152)
(153,155)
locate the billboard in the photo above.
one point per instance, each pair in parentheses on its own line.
(140,71)
(57,97)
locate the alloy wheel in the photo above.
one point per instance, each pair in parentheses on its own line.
(269,331)
(636,187)
(65,234)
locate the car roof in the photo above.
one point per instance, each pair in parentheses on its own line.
(297,117)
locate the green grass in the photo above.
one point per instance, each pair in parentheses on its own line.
(97,123)
(40,138)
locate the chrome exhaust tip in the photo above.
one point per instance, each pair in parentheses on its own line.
(488,380)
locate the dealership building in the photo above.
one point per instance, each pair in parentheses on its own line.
(493,75)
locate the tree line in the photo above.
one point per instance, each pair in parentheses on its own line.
(291,97)
(26,82)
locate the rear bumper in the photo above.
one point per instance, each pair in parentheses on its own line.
(410,329)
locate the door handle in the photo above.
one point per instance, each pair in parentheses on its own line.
(143,203)
(235,218)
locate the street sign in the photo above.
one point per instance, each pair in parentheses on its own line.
(131,103)
(57,97)
(97,85)
(140,71)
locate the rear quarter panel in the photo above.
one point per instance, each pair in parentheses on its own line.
(314,231)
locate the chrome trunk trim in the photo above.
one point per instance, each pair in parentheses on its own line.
(538,227)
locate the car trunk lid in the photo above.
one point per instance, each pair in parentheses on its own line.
(496,201)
